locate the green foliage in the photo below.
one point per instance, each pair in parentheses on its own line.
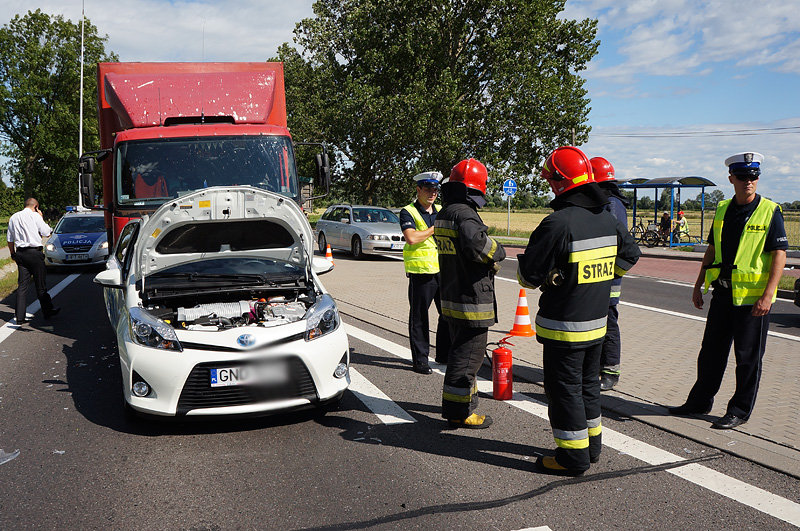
(39,103)
(403,86)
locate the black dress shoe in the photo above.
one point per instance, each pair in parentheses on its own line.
(689,409)
(52,313)
(23,321)
(727,422)
(420,369)
(442,361)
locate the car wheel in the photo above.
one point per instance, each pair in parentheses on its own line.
(356,249)
(323,243)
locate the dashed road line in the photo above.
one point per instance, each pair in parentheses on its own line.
(376,400)
(717,482)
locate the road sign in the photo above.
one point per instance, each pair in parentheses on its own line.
(510,187)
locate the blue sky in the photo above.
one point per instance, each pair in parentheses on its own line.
(664,67)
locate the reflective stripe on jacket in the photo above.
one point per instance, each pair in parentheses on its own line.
(751,264)
(420,257)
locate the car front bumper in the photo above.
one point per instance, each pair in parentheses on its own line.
(180,382)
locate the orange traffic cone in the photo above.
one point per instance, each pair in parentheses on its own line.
(522,320)
(329,254)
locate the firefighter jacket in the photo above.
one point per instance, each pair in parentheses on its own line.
(574,255)
(751,266)
(617,206)
(420,257)
(468,259)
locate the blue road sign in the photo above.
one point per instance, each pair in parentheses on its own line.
(510,187)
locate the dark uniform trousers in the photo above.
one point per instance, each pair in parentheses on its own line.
(728,324)
(573,397)
(30,262)
(610,354)
(460,394)
(422,290)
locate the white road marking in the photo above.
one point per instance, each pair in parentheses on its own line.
(673,283)
(737,490)
(384,407)
(9,327)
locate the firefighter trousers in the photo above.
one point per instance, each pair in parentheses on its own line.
(460,392)
(612,346)
(728,324)
(573,396)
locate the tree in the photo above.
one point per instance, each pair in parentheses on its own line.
(712,199)
(39,102)
(401,86)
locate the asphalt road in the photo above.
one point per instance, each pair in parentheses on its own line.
(83,464)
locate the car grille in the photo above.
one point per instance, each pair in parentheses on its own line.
(76,248)
(397,238)
(198,393)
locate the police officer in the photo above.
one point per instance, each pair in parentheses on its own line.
(743,262)
(468,260)
(574,254)
(611,354)
(422,269)
(26,229)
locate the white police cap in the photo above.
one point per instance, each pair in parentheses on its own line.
(745,162)
(429,178)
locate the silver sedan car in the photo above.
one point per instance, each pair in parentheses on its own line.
(360,229)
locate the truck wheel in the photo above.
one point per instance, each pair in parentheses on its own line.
(356,249)
(323,243)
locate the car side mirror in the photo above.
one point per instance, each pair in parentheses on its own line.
(321,265)
(110,278)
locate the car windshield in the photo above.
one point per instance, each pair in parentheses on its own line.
(151,171)
(75,224)
(241,269)
(374,215)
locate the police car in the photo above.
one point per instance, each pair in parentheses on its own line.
(78,239)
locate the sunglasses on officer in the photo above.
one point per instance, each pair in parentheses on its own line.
(746,176)
(430,188)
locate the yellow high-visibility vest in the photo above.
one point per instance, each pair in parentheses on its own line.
(749,278)
(420,257)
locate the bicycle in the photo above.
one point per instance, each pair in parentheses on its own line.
(638,230)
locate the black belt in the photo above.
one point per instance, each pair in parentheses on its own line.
(29,249)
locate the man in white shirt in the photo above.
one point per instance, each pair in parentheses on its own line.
(26,229)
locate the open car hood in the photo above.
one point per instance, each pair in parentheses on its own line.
(224,222)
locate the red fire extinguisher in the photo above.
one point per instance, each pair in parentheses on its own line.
(502,384)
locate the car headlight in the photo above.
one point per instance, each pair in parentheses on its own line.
(322,318)
(104,245)
(377,237)
(50,247)
(152,332)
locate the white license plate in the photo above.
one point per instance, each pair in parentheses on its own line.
(398,245)
(255,374)
(76,257)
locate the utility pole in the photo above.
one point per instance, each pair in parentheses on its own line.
(80,112)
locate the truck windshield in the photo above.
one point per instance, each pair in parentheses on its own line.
(149,172)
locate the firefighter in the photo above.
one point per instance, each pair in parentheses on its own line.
(468,261)
(574,254)
(610,355)
(422,269)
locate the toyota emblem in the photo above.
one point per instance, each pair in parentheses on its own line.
(246,340)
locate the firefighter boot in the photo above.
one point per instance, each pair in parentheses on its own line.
(549,465)
(608,380)
(473,422)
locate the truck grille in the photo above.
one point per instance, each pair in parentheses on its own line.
(198,393)
(76,248)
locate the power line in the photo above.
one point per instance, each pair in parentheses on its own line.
(695,134)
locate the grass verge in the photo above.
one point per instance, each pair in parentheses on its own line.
(8,283)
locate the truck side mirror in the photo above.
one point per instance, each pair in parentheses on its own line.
(86,166)
(323,170)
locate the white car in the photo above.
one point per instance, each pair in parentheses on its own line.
(361,230)
(218,309)
(79,239)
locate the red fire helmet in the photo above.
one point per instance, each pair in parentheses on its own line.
(602,170)
(472,173)
(566,168)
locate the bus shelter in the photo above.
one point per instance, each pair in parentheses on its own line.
(674,185)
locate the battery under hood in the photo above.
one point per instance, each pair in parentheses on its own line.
(224,222)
